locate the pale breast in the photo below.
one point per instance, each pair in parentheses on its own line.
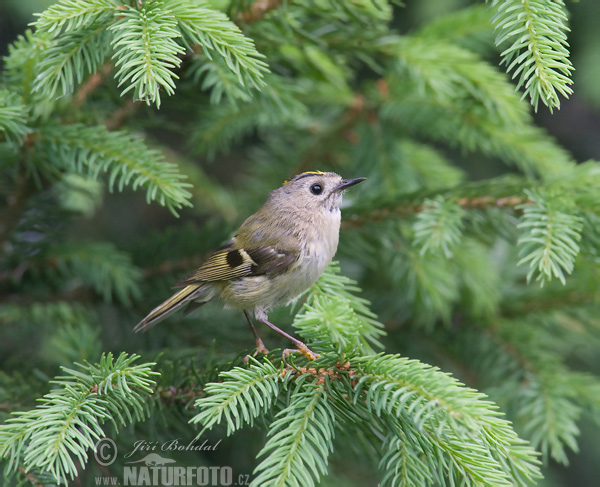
(319,247)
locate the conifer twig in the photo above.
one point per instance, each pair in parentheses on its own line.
(16,203)
(475,203)
(347,119)
(30,477)
(258,10)
(91,84)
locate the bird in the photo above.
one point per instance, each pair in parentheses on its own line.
(277,253)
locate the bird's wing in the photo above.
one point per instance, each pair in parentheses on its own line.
(232,262)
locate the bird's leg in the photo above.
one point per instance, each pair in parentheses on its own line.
(260,346)
(302,348)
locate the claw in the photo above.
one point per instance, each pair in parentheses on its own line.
(260,348)
(307,352)
(303,349)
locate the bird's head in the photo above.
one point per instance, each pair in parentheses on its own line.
(314,190)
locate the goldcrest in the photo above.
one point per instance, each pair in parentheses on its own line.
(276,254)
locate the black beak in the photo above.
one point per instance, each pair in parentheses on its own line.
(346,183)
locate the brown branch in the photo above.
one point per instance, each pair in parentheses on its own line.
(29,476)
(91,84)
(186,396)
(511,350)
(482,202)
(15,205)
(258,10)
(476,203)
(119,116)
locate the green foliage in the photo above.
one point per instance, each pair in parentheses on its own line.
(214,104)
(300,441)
(537,51)
(73,342)
(13,119)
(69,421)
(240,398)
(550,406)
(108,271)
(215,33)
(93,150)
(448,94)
(147,40)
(68,16)
(228,123)
(438,226)
(146,51)
(468,439)
(549,238)
(335,316)
(467,442)
(69,59)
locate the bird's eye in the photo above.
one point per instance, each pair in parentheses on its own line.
(316,189)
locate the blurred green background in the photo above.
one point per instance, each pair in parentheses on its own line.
(576,126)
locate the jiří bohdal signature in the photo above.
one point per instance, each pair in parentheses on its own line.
(171,445)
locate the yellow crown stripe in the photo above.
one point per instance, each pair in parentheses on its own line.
(302,174)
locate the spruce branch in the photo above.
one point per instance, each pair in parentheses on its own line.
(550,236)
(521,361)
(438,226)
(258,10)
(227,123)
(242,396)
(468,27)
(57,435)
(537,51)
(21,70)
(215,76)
(146,42)
(300,440)
(457,435)
(216,34)
(13,119)
(72,15)
(430,287)
(146,51)
(446,72)
(449,94)
(100,265)
(402,464)
(534,384)
(335,317)
(92,150)
(549,418)
(80,43)
(91,85)
(70,58)
(433,169)
(505,192)
(466,439)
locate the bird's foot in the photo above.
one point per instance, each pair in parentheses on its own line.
(303,349)
(260,348)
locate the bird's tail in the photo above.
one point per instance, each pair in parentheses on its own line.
(186,295)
